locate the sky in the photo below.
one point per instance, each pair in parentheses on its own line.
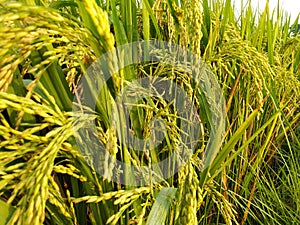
(290,6)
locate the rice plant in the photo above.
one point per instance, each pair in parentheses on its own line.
(47,176)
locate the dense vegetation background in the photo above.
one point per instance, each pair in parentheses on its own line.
(45,47)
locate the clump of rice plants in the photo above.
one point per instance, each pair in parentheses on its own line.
(47,176)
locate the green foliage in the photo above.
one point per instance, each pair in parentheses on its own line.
(5,212)
(160,208)
(45,48)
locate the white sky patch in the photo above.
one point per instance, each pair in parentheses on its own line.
(291,7)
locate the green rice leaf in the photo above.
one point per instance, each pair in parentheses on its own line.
(160,209)
(6,212)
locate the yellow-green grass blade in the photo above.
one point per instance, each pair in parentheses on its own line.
(17,87)
(120,33)
(160,210)
(146,21)
(207,22)
(224,152)
(54,81)
(129,19)
(228,16)
(147,5)
(6,212)
(218,164)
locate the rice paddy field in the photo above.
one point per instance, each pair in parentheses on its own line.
(148,112)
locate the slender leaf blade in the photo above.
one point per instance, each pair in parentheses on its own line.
(160,209)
